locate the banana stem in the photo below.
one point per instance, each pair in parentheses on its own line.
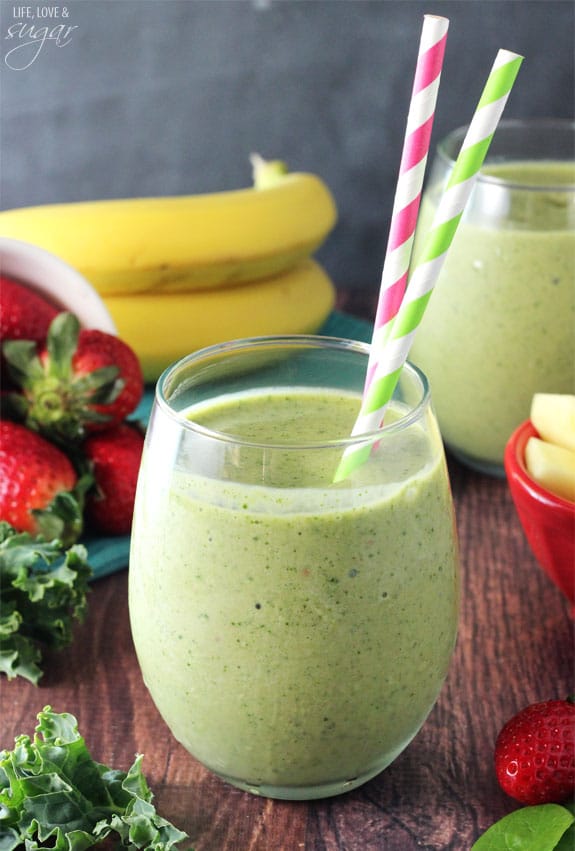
(266,172)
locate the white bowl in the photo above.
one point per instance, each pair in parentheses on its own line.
(56,281)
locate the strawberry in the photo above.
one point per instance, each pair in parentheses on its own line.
(535,753)
(39,489)
(81,381)
(114,456)
(24,314)
(97,350)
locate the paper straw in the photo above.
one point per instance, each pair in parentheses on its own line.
(411,175)
(391,358)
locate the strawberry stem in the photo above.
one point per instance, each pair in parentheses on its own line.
(57,401)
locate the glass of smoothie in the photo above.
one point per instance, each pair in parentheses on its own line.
(500,324)
(293,633)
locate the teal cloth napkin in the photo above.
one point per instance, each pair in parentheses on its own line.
(108,555)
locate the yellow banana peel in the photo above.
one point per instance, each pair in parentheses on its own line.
(188,242)
(163,328)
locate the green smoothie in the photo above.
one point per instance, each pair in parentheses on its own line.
(295,634)
(499,326)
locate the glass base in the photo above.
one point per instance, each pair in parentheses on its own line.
(490,468)
(303,793)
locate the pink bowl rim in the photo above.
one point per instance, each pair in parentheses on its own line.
(515,468)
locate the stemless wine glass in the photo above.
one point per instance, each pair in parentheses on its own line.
(294,633)
(499,325)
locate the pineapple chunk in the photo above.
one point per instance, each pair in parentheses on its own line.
(553,415)
(551,466)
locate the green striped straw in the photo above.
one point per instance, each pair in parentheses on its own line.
(390,360)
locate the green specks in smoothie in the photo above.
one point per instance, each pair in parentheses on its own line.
(329,724)
(291,677)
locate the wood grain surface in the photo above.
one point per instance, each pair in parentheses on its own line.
(515,646)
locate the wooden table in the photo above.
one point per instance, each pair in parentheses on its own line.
(515,646)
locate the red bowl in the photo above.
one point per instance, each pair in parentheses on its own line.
(548,520)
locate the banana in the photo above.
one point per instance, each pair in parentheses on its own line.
(187,242)
(163,328)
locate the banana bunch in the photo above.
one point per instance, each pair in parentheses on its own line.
(161,329)
(177,273)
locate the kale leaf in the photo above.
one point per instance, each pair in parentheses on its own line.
(55,797)
(43,588)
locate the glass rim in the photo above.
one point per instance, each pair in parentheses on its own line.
(563,124)
(293,341)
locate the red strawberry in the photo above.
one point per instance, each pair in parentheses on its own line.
(24,314)
(97,350)
(535,753)
(82,381)
(115,456)
(37,481)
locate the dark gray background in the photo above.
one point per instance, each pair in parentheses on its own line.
(153,97)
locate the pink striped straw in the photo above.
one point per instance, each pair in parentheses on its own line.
(410,180)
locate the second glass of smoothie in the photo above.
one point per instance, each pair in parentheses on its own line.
(500,324)
(294,633)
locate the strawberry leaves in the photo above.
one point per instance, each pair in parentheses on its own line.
(63,517)
(57,400)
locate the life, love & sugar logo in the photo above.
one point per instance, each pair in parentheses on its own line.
(32,29)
